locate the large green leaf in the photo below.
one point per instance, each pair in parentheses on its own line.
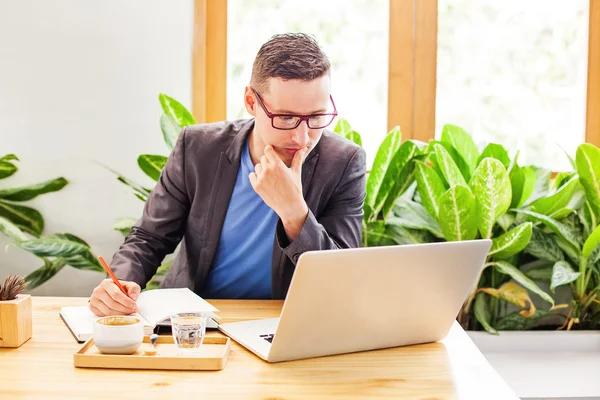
(448,167)
(53,246)
(401,187)
(517,322)
(562,274)
(9,157)
(496,151)
(124,225)
(11,230)
(355,137)
(492,190)
(557,227)
(175,110)
(44,273)
(152,165)
(85,261)
(7,169)
(541,184)
(481,309)
(392,174)
(561,214)
(25,193)
(511,242)
(457,214)
(549,204)
(460,140)
(506,221)
(411,214)
(591,243)
(521,278)
(523,181)
(170,130)
(69,236)
(26,218)
(374,233)
(562,178)
(141,192)
(342,127)
(430,187)
(385,154)
(588,168)
(397,234)
(568,250)
(542,273)
(590,216)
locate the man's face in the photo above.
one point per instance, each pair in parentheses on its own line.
(289,97)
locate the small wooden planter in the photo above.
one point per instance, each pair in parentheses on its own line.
(15,321)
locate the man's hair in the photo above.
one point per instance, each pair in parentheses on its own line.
(288,56)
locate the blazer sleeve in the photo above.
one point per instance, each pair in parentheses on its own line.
(340,224)
(161,226)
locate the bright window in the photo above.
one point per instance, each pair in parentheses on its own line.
(515,72)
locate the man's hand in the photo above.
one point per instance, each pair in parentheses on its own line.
(280,188)
(107,298)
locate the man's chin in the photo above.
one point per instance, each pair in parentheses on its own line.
(285,157)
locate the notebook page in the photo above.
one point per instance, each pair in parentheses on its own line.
(80,320)
(158,304)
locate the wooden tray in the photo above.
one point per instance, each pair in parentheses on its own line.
(213,355)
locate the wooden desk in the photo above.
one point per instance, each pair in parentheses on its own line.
(451,369)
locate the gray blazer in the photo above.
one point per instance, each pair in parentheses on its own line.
(190,200)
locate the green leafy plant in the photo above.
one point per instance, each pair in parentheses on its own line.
(390,178)
(173,119)
(449,190)
(569,238)
(469,195)
(25,226)
(25,218)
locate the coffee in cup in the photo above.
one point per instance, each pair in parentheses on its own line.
(118,334)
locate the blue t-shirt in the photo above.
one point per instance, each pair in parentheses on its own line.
(242,266)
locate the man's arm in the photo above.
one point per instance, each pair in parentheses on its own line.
(340,225)
(161,227)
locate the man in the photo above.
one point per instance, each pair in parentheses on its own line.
(246,198)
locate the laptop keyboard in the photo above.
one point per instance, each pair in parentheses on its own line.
(268,337)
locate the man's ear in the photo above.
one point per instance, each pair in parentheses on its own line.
(250,101)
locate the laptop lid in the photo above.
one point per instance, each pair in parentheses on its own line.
(349,300)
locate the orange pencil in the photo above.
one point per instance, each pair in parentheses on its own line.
(114,278)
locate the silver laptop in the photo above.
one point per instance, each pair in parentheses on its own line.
(350,300)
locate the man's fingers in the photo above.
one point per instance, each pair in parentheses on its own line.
(298,160)
(112,304)
(252,178)
(119,297)
(101,310)
(271,154)
(265,161)
(258,169)
(133,289)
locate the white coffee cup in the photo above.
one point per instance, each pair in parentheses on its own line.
(118,334)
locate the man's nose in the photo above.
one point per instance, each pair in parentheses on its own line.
(300,134)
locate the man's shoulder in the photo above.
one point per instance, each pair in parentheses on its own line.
(338,149)
(216,134)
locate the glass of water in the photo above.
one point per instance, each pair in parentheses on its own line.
(188,331)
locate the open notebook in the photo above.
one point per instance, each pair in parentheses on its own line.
(154,308)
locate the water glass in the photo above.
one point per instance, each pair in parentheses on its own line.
(188,331)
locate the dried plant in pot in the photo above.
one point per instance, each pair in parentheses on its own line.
(15,312)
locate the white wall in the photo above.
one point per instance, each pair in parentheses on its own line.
(79,82)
